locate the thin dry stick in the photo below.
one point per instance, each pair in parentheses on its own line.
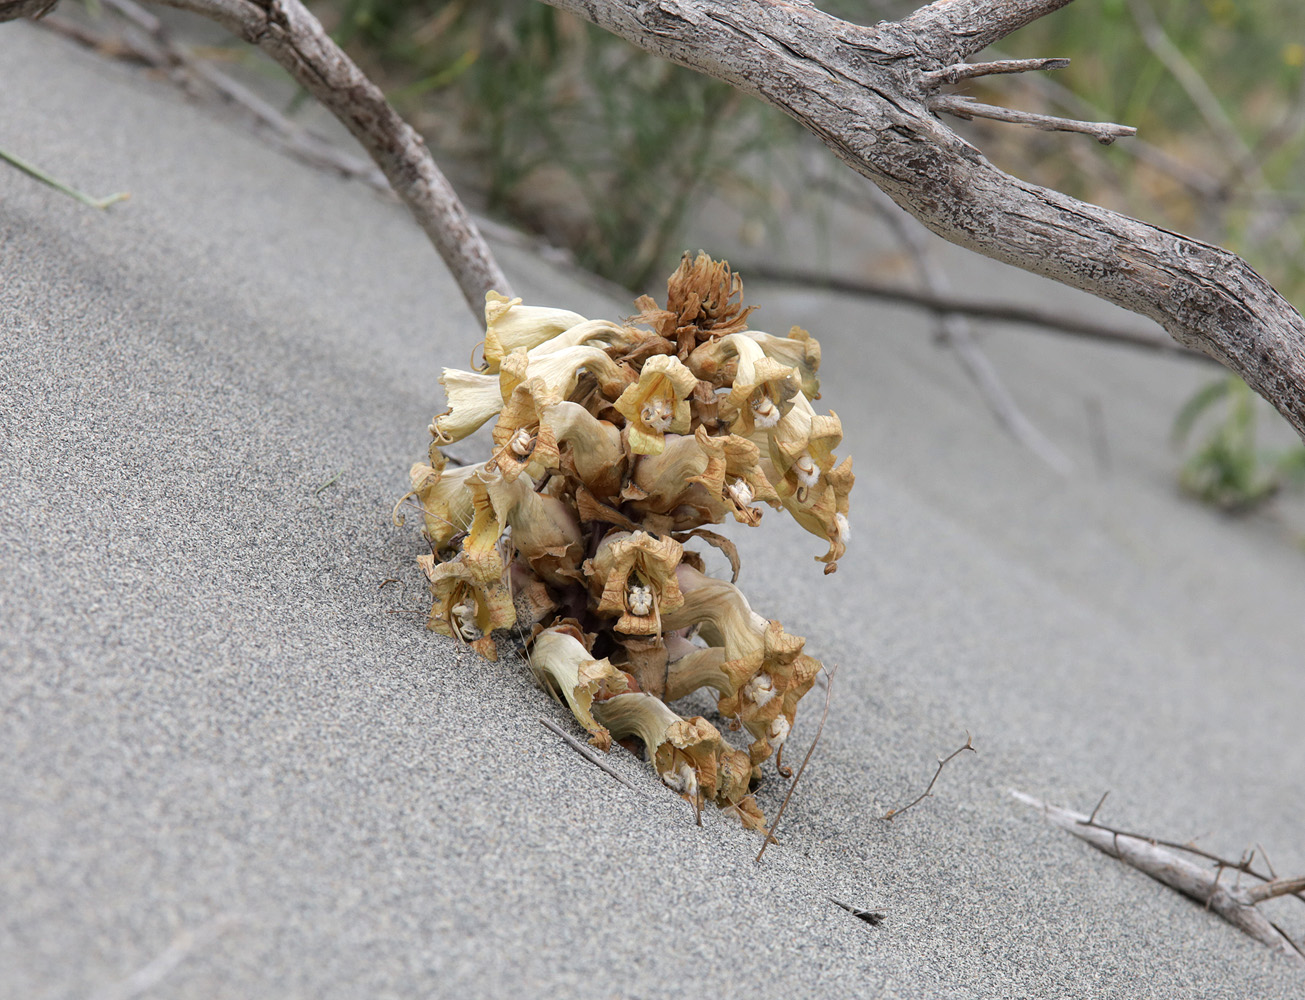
(994,311)
(943,762)
(968,71)
(584,752)
(966,108)
(872,917)
(1234,903)
(1244,865)
(955,332)
(770,836)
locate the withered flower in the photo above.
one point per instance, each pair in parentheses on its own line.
(509,325)
(444,499)
(473,398)
(798,350)
(634,576)
(622,443)
(594,453)
(471,601)
(658,404)
(564,666)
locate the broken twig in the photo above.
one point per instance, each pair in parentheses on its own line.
(966,108)
(584,752)
(1232,902)
(770,837)
(943,762)
(872,917)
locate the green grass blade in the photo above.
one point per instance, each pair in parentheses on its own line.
(37,173)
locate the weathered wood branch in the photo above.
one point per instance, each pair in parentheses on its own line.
(294,38)
(969,71)
(1203,883)
(967,107)
(865,91)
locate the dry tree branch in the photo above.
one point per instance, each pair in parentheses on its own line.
(1004,312)
(892,814)
(866,92)
(1232,902)
(294,38)
(966,108)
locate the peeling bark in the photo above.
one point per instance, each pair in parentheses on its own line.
(865,91)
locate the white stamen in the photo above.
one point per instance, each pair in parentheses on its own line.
(844,529)
(639,600)
(778,732)
(464,621)
(765,414)
(683,779)
(760,690)
(520,443)
(741,492)
(657,414)
(808,472)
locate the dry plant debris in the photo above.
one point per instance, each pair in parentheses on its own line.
(1194,872)
(615,444)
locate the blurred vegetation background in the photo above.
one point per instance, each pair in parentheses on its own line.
(604,150)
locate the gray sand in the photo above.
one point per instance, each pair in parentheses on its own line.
(222,750)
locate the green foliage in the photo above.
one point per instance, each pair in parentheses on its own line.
(1227,469)
(575,134)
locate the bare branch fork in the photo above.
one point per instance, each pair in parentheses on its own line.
(868,93)
(294,38)
(1233,902)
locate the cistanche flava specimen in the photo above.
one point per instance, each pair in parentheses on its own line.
(615,444)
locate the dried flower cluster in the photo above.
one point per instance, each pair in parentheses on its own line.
(614,444)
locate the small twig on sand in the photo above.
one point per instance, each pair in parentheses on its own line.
(943,762)
(1154,858)
(329,482)
(584,752)
(770,837)
(872,917)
